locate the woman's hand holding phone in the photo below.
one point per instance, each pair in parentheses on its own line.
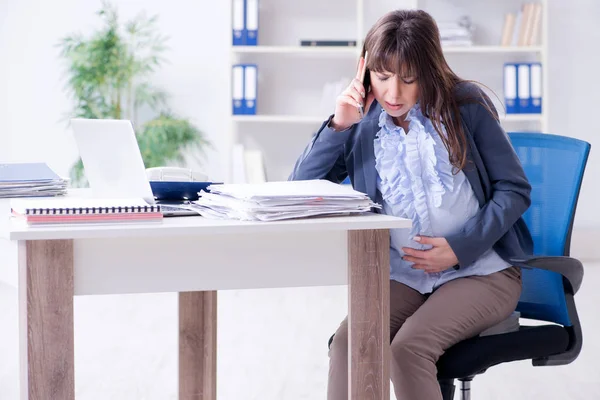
(352,101)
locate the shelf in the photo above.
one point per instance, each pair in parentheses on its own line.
(521,117)
(279,118)
(320,119)
(493,49)
(351,50)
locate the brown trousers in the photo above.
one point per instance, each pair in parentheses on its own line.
(422,327)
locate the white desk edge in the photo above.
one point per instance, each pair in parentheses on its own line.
(192,226)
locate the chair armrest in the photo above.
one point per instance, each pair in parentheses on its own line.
(570,268)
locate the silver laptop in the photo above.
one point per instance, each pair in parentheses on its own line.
(113,162)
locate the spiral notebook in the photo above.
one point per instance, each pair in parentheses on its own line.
(70,210)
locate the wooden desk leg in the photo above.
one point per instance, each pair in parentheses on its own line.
(46,319)
(198,345)
(369,323)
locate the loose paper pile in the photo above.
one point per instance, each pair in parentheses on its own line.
(272,201)
(459,33)
(30,179)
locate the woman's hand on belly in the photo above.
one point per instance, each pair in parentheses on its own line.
(437,259)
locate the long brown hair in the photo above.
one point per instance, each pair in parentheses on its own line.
(407,43)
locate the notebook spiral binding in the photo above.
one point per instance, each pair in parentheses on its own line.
(93,210)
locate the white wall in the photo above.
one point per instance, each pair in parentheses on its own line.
(34,101)
(291,327)
(575,84)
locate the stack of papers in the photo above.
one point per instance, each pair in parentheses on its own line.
(459,33)
(30,179)
(273,201)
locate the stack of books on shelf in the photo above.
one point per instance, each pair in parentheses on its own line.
(330,92)
(458,33)
(30,180)
(327,43)
(523,28)
(248,165)
(83,210)
(273,201)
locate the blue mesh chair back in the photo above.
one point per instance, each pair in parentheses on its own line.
(554,166)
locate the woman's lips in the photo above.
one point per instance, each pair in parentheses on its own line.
(394,107)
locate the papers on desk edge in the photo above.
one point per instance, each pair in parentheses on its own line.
(30,180)
(273,201)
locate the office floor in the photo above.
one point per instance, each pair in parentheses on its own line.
(272,346)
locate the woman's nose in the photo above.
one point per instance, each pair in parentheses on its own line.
(395,88)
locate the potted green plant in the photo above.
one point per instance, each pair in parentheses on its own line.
(108,76)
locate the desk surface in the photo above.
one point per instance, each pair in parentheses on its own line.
(186,255)
(13,229)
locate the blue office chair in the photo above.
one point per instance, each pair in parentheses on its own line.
(554,166)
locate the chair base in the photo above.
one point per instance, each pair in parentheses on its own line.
(447,387)
(465,388)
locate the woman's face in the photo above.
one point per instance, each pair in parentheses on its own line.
(396,94)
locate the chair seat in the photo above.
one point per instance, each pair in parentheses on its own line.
(475,355)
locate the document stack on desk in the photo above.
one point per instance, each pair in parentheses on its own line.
(272,201)
(30,180)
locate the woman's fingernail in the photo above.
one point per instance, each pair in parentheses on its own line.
(417,238)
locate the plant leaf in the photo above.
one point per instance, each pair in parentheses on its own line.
(108,75)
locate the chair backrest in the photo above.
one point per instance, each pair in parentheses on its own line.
(554,166)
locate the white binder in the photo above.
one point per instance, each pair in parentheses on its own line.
(237,92)
(536,88)
(237,16)
(510,88)
(250,83)
(251,22)
(238,164)
(524,90)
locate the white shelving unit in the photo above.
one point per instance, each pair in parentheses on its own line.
(265,54)
(300,119)
(354,50)
(494,49)
(332,50)
(294,119)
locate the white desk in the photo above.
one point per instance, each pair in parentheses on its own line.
(195,257)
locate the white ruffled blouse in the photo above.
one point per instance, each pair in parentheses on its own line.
(417,181)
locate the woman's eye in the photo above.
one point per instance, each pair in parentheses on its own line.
(383,78)
(409,81)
